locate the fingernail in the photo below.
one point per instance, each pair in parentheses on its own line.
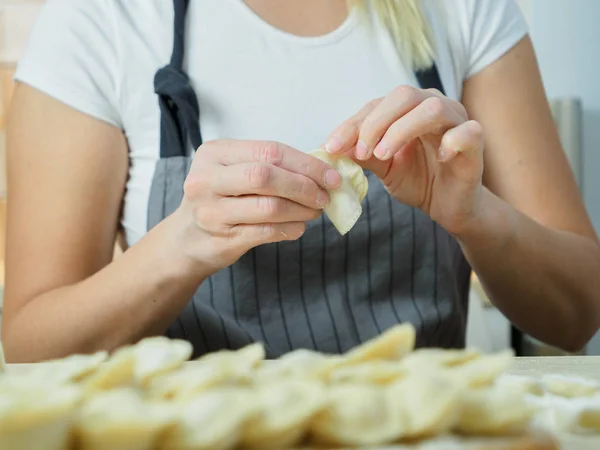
(381,151)
(441,154)
(332,178)
(334,144)
(361,150)
(322,199)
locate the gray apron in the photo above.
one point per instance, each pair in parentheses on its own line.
(325,291)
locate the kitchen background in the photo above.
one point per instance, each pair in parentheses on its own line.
(565,36)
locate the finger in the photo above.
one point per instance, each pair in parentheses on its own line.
(398,103)
(232,152)
(465,139)
(255,209)
(269,180)
(345,136)
(266,233)
(433,115)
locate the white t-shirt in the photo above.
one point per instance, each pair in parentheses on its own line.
(253,81)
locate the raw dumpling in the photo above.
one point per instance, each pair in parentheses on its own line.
(570,387)
(484,370)
(430,358)
(520,383)
(37,418)
(344,207)
(393,344)
(301,363)
(117,371)
(284,410)
(493,411)
(429,403)
(71,368)
(378,372)
(213,420)
(357,415)
(158,355)
(120,420)
(214,369)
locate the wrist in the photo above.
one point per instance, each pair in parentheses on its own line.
(174,250)
(491,225)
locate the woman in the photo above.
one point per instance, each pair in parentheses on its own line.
(239,231)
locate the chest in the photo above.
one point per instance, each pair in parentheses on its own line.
(254,81)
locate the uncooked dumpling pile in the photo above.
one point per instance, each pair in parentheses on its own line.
(148,396)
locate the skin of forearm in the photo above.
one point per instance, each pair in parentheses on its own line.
(545,281)
(137,295)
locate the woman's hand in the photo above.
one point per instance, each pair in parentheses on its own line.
(241,194)
(423,148)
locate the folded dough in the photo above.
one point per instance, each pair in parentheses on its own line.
(392,345)
(37,418)
(120,419)
(344,206)
(158,355)
(285,409)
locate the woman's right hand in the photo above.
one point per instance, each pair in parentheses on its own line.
(241,194)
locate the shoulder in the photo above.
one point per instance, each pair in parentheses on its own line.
(477,32)
(77,50)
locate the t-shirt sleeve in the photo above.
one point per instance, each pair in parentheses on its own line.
(72,55)
(493,28)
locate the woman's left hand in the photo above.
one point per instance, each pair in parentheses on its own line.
(423,148)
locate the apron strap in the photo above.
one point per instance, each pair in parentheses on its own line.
(180,112)
(430,79)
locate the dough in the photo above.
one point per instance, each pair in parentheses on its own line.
(569,387)
(301,363)
(37,418)
(493,411)
(157,355)
(429,403)
(117,371)
(120,420)
(484,370)
(212,420)
(284,411)
(344,207)
(393,344)
(357,415)
(214,369)
(378,372)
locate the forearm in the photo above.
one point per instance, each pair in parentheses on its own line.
(137,295)
(545,281)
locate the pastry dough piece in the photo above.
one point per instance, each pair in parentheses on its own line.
(589,418)
(37,418)
(430,358)
(357,415)
(570,387)
(429,403)
(285,409)
(378,372)
(158,355)
(72,368)
(393,344)
(117,371)
(301,363)
(211,421)
(520,383)
(120,420)
(344,208)
(214,369)
(494,411)
(484,370)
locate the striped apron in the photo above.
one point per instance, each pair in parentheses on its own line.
(325,291)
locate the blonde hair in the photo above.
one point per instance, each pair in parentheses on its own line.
(408,27)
